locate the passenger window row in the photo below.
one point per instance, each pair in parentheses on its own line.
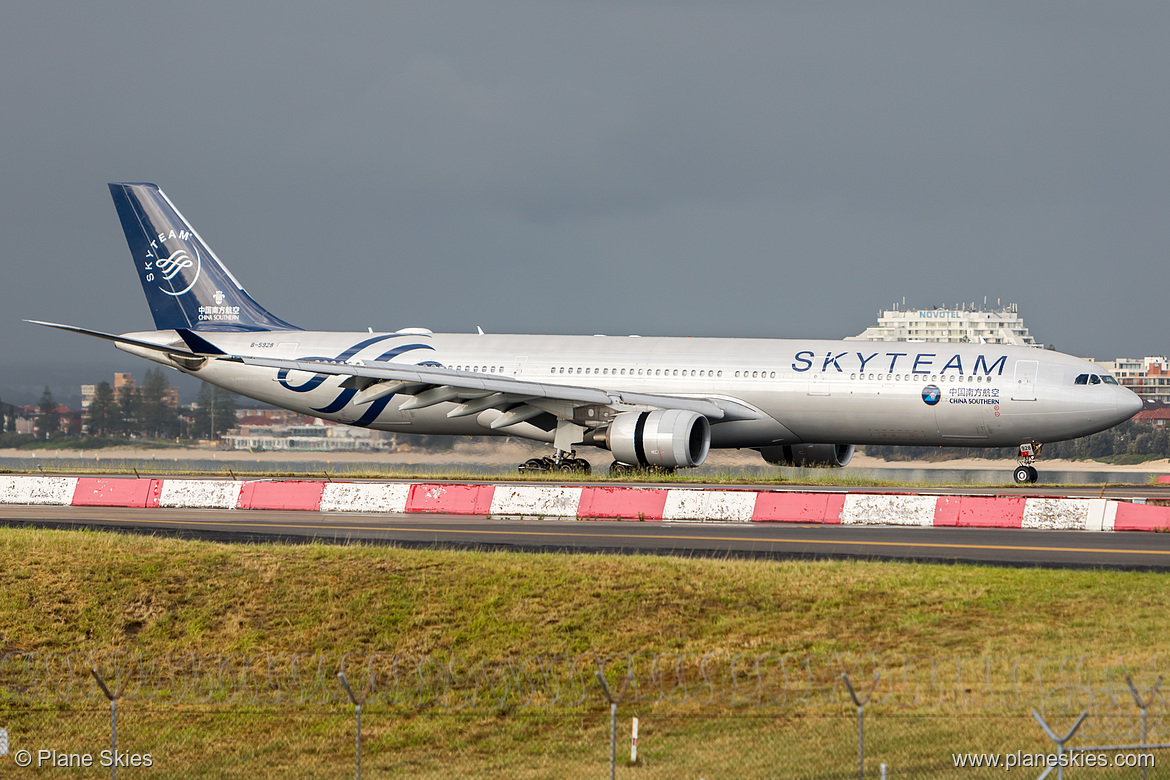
(923,377)
(630,372)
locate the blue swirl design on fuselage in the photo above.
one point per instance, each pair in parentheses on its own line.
(347,394)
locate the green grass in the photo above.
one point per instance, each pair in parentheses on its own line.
(82,591)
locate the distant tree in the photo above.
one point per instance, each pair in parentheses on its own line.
(157,418)
(129,401)
(48,421)
(12,419)
(215,412)
(102,416)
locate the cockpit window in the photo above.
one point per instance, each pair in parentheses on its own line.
(1094,379)
(1083,379)
(1108,379)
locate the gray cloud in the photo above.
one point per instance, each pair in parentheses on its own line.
(659,168)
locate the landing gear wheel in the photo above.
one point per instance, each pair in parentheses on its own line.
(534,464)
(1025,475)
(617,469)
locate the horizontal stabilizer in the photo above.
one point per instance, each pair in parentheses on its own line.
(173,348)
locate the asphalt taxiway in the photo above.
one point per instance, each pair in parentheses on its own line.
(1009,547)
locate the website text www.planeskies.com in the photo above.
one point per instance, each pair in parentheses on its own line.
(1135,759)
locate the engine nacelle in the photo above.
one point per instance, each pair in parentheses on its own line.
(668,438)
(815,455)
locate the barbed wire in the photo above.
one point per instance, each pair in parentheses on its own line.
(1052,685)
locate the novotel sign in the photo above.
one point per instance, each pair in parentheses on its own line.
(942,314)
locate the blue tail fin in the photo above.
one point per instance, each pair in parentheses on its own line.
(185,283)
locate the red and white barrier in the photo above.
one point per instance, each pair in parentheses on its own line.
(451,499)
(200,494)
(535,501)
(95,491)
(736,506)
(886,509)
(592,502)
(49,491)
(282,494)
(620,503)
(371,497)
(777,507)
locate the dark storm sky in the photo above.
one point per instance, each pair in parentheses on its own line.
(661,168)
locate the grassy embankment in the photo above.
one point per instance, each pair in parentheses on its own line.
(86,591)
(81,591)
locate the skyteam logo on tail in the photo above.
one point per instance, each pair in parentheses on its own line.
(164,264)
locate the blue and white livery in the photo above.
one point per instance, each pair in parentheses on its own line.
(652,402)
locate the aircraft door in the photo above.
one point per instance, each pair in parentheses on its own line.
(1024,387)
(818,384)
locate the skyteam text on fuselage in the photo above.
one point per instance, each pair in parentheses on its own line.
(652,402)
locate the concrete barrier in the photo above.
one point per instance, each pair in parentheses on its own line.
(622,503)
(1141,517)
(200,494)
(696,504)
(450,499)
(282,494)
(46,491)
(888,509)
(1069,514)
(97,491)
(734,506)
(539,501)
(778,507)
(372,497)
(980,511)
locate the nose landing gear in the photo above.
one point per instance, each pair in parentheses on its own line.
(1025,473)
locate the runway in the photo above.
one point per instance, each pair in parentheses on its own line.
(1008,547)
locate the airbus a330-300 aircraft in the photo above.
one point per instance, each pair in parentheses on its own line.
(652,402)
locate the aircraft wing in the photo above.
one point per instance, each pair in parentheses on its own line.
(434,384)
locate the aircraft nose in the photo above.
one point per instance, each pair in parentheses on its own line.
(1129,403)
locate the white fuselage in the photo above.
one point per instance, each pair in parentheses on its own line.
(832,392)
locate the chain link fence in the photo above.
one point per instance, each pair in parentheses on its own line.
(700,715)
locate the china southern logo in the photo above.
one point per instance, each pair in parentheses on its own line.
(166,269)
(931,395)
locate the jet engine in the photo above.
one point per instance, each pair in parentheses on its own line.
(668,438)
(815,455)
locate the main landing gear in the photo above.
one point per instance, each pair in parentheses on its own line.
(566,463)
(1025,473)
